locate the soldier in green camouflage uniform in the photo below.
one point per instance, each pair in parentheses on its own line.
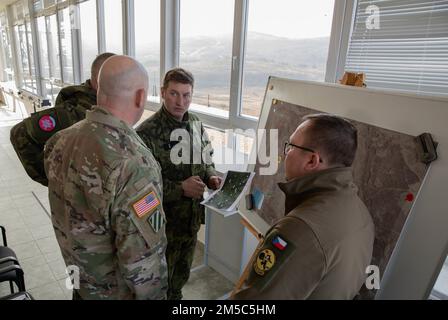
(184,183)
(28,137)
(105,190)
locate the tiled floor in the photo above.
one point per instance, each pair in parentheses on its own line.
(24,211)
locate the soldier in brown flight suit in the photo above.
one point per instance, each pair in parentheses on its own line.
(321,248)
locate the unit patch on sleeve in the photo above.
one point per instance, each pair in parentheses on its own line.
(265,261)
(47,123)
(156,221)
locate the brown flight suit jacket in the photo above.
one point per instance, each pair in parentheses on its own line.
(321,248)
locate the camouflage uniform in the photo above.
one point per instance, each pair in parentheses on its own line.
(184,215)
(105,191)
(28,139)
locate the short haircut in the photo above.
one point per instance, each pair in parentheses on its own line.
(178,75)
(334,136)
(98,62)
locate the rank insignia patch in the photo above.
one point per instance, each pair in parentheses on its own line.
(265,261)
(146,204)
(156,221)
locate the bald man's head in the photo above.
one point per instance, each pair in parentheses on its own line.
(121,76)
(123,85)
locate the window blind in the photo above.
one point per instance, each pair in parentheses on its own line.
(408,51)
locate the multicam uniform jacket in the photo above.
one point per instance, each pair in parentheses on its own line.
(105,192)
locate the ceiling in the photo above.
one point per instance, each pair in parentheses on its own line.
(4,3)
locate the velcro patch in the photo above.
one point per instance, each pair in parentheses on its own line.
(146,204)
(47,123)
(265,261)
(156,221)
(279,243)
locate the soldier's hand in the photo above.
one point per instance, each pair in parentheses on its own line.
(214,182)
(193,187)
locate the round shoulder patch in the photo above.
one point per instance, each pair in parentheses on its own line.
(47,123)
(265,262)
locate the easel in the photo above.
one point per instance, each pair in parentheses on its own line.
(259,235)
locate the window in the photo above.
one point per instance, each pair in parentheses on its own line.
(206,29)
(44,58)
(6,50)
(114,26)
(29,40)
(288,40)
(24,55)
(440,290)
(89,38)
(53,47)
(65,33)
(46,71)
(401,45)
(147,42)
(218,139)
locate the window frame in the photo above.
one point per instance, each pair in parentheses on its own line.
(170,48)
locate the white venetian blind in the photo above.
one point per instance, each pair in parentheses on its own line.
(409,51)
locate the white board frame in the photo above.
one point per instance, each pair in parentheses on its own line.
(423,244)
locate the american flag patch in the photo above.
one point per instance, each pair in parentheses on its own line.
(146,204)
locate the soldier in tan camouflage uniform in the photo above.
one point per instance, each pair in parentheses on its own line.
(184,183)
(29,136)
(105,190)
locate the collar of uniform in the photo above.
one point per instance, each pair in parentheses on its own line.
(173,121)
(101,115)
(88,84)
(335,179)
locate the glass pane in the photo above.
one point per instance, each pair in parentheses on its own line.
(29,39)
(53,47)
(25,63)
(50,91)
(147,43)
(114,26)
(44,62)
(219,143)
(38,5)
(289,39)
(9,70)
(89,42)
(65,32)
(440,290)
(206,28)
(244,144)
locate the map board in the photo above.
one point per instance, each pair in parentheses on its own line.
(388,168)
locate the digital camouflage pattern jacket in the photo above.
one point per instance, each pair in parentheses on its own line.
(184,215)
(29,136)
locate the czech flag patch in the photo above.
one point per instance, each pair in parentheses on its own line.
(279,243)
